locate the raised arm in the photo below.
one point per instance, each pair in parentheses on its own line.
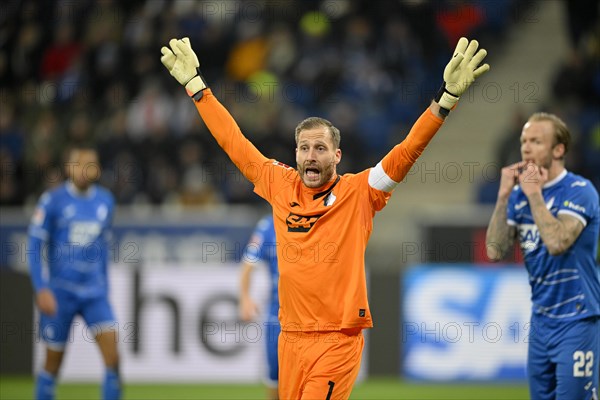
(225,130)
(183,64)
(459,74)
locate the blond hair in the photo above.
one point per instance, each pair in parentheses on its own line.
(562,135)
(315,122)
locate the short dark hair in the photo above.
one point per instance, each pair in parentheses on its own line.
(315,122)
(561,131)
(78,147)
(82,147)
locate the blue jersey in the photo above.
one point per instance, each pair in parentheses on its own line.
(262,247)
(73,228)
(566,286)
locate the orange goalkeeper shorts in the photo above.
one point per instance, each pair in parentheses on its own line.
(319,365)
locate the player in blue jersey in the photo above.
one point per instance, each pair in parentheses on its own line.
(262,248)
(71,223)
(554,214)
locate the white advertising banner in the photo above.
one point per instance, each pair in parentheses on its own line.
(177,324)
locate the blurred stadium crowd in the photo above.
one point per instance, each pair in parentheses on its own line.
(89,72)
(575,98)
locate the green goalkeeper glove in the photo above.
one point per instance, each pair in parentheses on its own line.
(461,72)
(182,63)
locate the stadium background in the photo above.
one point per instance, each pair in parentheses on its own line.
(89,72)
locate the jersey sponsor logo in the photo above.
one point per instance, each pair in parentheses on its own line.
(520,205)
(573,206)
(579,183)
(453,315)
(301,223)
(294,204)
(82,233)
(69,211)
(529,237)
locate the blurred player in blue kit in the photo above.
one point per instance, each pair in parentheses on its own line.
(555,216)
(72,223)
(262,248)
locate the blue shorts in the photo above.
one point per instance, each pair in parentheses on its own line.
(96,312)
(272,330)
(563,359)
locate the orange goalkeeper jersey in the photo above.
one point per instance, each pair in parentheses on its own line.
(321,233)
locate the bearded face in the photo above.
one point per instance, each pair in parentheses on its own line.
(83,168)
(316,157)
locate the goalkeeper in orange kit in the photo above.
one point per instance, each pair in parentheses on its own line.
(323,222)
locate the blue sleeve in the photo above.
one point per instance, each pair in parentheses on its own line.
(108,235)
(581,202)
(38,235)
(34,256)
(254,249)
(41,221)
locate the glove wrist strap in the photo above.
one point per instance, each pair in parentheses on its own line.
(446,100)
(195,86)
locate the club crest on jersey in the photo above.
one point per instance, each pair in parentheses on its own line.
(301,223)
(69,211)
(329,199)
